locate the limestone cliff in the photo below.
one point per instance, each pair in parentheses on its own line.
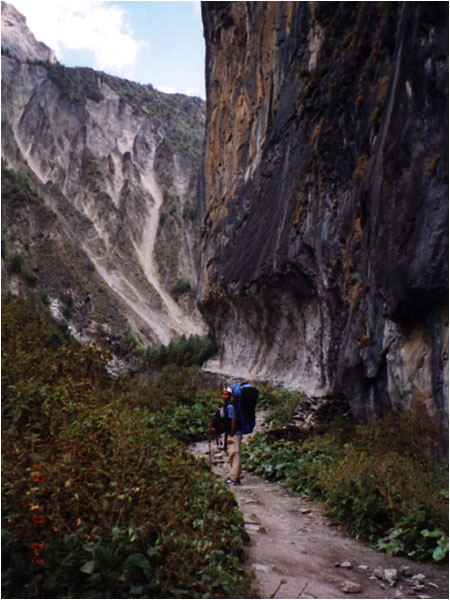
(115,166)
(325,197)
(18,39)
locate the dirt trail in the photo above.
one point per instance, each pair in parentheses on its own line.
(296,552)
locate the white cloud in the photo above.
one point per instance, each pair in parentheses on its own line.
(192,92)
(166,89)
(83,25)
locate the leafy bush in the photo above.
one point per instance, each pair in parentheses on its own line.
(77,84)
(16,187)
(381,480)
(97,500)
(194,350)
(130,343)
(16,261)
(281,406)
(188,422)
(182,286)
(190,211)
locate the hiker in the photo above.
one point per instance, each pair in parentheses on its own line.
(229,424)
(234,439)
(239,418)
(220,423)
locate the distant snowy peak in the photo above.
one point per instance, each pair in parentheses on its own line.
(18,39)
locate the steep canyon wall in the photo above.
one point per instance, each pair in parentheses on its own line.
(325,198)
(115,166)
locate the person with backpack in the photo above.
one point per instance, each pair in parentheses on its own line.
(237,419)
(234,439)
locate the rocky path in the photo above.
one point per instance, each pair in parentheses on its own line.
(296,552)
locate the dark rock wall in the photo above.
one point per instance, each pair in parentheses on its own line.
(325,200)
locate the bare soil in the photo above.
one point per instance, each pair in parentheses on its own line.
(297,552)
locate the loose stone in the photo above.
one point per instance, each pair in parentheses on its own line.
(350,587)
(390,575)
(378,573)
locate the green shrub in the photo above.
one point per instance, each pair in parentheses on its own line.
(130,343)
(30,277)
(381,480)
(122,509)
(182,286)
(16,261)
(190,211)
(281,407)
(194,350)
(77,84)
(16,187)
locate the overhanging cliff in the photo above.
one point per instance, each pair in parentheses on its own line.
(325,200)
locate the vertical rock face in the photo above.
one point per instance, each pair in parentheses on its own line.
(325,200)
(116,165)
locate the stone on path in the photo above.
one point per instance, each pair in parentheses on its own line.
(350,587)
(390,575)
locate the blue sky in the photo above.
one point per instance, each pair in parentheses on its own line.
(148,41)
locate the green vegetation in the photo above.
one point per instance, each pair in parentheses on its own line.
(16,261)
(77,84)
(382,480)
(98,501)
(280,405)
(16,187)
(47,263)
(183,115)
(131,344)
(190,211)
(184,351)
(182,286)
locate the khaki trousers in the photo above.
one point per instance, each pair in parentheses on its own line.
(234,456)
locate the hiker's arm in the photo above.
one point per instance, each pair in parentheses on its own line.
(233,426)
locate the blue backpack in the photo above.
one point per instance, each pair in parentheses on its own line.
(245,397)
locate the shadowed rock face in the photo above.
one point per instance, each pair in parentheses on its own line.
(325,210)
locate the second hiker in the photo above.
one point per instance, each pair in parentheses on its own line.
(234,439)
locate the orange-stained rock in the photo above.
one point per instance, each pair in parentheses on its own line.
(325,200)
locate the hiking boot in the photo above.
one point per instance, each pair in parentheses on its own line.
(231,482)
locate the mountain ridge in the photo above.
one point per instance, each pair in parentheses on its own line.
(117,163)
